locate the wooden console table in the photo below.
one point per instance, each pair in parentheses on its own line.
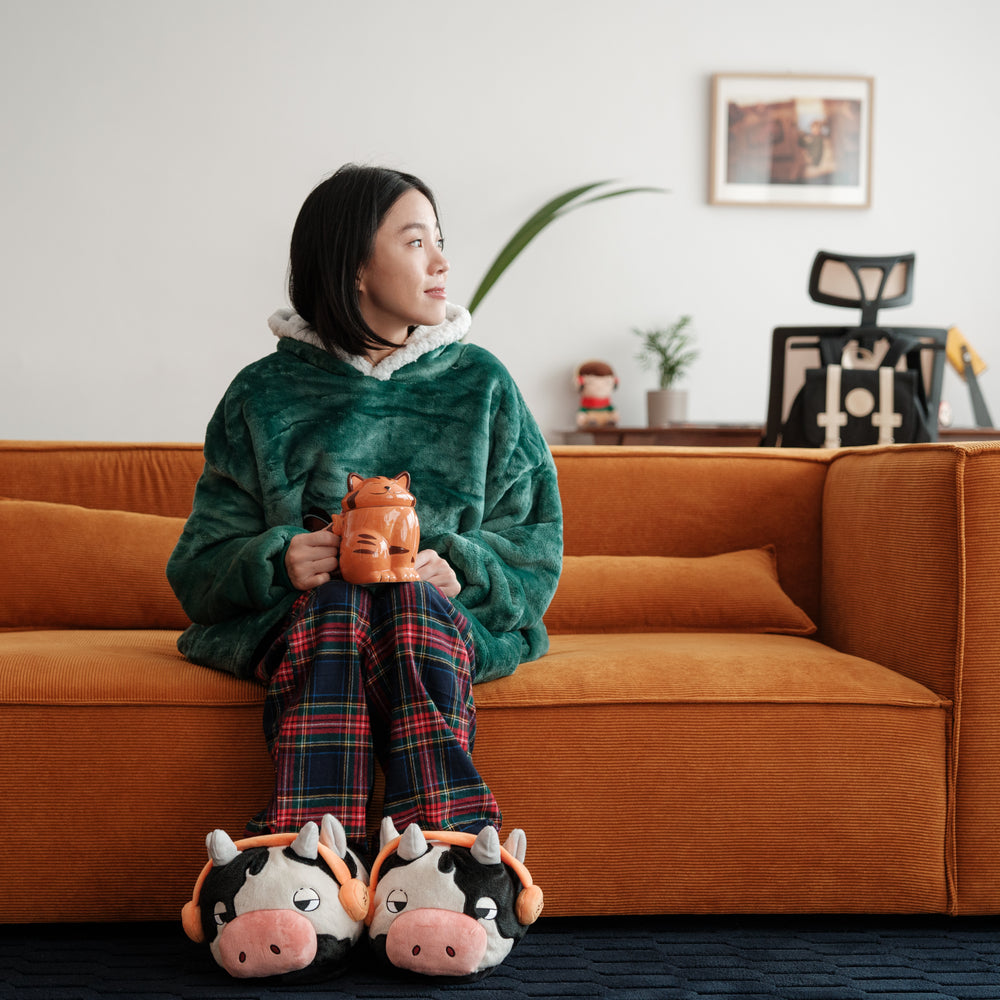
(733,435)
(698,435)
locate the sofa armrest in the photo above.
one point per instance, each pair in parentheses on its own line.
(911,579)
(892,585)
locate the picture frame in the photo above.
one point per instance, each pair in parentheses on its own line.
(790,140)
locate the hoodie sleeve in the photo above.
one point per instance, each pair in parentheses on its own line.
(510,564)
(228,563)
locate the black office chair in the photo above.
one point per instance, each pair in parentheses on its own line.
(867,384)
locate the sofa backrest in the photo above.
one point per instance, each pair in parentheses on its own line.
(148,478)
(617,502)
(96,524)
(689,502)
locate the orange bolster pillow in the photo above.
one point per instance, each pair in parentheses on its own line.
(732,592)
(75,567)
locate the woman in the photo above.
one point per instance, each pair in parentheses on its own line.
(371,376)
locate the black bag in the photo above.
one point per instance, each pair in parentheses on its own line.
(841,406)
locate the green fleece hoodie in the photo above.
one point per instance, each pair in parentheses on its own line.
(290,429)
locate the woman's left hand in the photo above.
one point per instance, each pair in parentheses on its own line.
(434,569)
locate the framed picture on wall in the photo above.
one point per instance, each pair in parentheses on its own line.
(791,140)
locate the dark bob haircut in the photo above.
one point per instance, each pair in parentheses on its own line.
(333,239)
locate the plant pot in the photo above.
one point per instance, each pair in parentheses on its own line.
(666,406)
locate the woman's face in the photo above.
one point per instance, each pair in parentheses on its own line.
(403,284)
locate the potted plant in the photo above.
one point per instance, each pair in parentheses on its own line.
(669,351)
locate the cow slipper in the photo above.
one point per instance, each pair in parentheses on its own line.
(289,907)
(449,906)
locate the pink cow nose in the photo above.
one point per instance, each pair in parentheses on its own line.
(266,943)
(436,942)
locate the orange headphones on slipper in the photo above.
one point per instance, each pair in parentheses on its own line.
(528,907)
(353,892)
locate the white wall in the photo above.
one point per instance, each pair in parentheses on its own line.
(155,155)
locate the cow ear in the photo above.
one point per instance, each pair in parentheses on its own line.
(333,835)
(387,832)
(412,844)
(486,849)
(306,844)
(517,844)
(221,848)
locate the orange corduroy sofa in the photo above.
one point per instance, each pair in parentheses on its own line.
(688,745)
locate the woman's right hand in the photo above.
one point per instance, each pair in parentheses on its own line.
(312,558)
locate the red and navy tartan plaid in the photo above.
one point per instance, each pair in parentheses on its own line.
(362,673)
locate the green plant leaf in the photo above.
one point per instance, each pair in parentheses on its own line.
(615,194)
(527,232)
(546,215)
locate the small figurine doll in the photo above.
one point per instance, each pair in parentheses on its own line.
(596,380)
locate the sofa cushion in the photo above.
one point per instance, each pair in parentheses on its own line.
(765,773)
(731,592)
(693,668)
(119,756)
(74,567)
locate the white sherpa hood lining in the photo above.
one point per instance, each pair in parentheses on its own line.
(286,323)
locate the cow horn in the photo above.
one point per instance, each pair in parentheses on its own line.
(387,832)
(486,849)
(306,844)
(221,848)
(517,844)
(412,844)
(333,835)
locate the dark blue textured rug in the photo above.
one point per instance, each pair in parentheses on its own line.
(638,958)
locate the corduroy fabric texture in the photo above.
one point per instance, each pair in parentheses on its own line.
(730,592)
(977,736)
(699,503)
(109,667)
(148,478)
(753,758)
(756,772)
(913,584)
(74,567)
(115,752)
(891,567)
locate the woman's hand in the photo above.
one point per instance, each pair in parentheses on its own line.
(312,559)
(434,569)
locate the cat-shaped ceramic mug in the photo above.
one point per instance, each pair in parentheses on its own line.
(379,531)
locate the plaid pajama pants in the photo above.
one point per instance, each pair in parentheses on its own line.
(363,673)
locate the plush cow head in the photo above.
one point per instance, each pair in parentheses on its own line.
(449,905)
(288,905)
